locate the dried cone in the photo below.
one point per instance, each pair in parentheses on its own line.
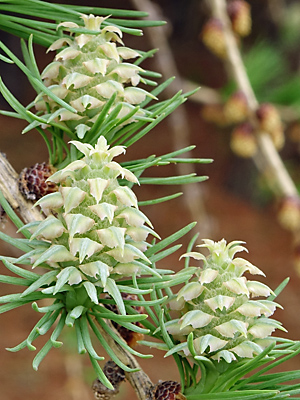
(236,108)
(213,37)
(243,141)
(33,181)
(101,392)
(289,213)
(239,12)
(130,337)
(115,375)
(167,390)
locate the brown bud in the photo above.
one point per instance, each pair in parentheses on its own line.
(236,108)
(213,37)
(240,16)
(167,390)
(289,213)
(270,122)
(243,140)
(268,118)
(278,138)
(32,181)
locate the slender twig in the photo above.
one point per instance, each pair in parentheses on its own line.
(193,193)
(267,159)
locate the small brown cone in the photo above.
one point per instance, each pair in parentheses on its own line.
(213,37)
(236,108)
(32,181)
(270,122)
(115,375)
(167,390)
(268,117)
(243,141)
(239,12)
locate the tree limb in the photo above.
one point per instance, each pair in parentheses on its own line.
(267,159)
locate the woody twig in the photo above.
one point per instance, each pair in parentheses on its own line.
(267,158)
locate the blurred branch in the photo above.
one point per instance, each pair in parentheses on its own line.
(267,160)
(207,95)
(179,121)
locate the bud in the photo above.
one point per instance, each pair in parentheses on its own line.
(33,181)
(270,122)
(278,138)
(289,213)
(240,17)
(236,108)
(243,141)
(213,37)
(268,118)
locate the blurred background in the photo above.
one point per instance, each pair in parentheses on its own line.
(235,203)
